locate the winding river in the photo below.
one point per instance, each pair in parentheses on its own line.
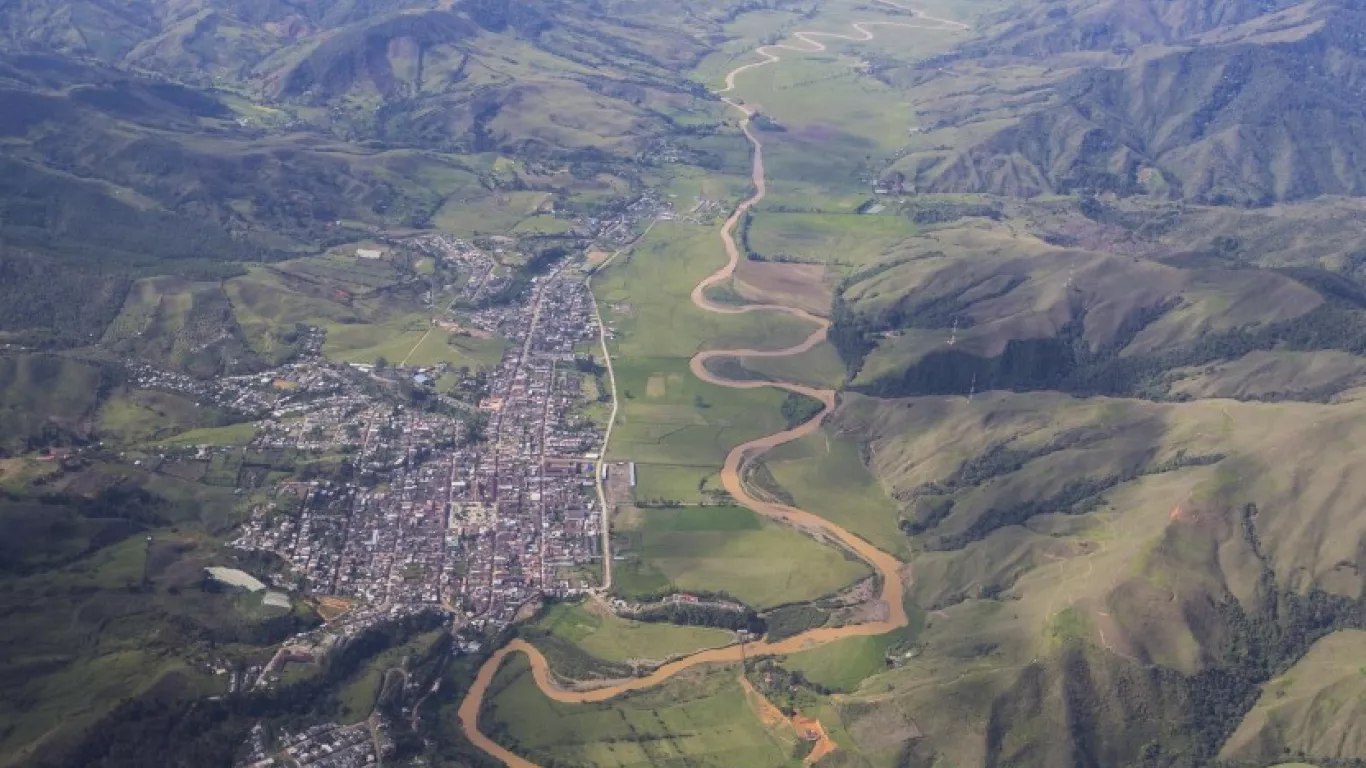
(888,568)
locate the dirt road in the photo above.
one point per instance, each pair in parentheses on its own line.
(888,568)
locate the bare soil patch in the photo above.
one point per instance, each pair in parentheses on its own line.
(793,285)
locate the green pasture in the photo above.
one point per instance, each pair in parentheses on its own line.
(645,295)
(727,549)
(825,474)
(604,635)
(841,240)
(699,718)
(668,416)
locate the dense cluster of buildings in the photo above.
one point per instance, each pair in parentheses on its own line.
(477,510)
(321,746)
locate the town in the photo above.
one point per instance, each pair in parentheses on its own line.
(382,492)
(473,507)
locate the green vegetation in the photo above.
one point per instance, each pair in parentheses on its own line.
(1103,385)
(1308,709)
(844,664)
(360,694)
(140,415)
(664,267)
(726,549)
(135,619)
(792,620)
(411,338)
(820,367)
(701,715)
(684,418)
(180,326)
(599,633)
(44,399)
(233,434)
(798,409)
(847,241)
(163,729)
(825,474)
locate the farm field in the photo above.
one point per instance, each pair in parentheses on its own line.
(837,118)
(645,298)
(139,415)
(677,428)
(399,337)
(490,214)
(726,549)
(699,718)
(266,303)
(845,242)
(600,633)
(444,347)
(233,434)
(818,367)
(342,269)
(844,664)
(671,422)
(825,474)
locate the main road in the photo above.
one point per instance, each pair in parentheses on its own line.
(888,568)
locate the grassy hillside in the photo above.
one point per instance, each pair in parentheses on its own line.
(977,304)
(1118,109)
(1085,560)
(147,140)
(47,400)
(1311,709)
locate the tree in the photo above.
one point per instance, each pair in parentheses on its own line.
(381,363)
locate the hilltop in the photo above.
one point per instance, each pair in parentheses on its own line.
(1227,102)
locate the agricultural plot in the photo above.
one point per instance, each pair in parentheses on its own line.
(598,632)
(491,213)
(727,549)
(645,295)
(233,434)
(140,415)
(826,475)
(342,270)
(444,347)
(677,428)
(818,367)
(843,664)
(699,718)
(269,304)
(669,416)
(843,241)
(396,338)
